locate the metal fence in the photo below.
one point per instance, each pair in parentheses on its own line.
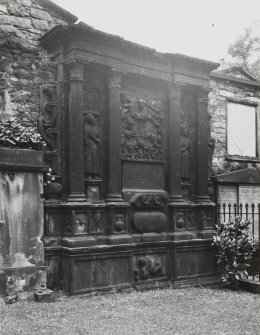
(250,212)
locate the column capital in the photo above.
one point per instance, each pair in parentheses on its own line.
(175,90)
(76,69)
(203,94)
(115,77)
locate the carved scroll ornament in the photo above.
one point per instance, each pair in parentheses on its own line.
(48,124)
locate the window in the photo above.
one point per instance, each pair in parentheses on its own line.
(241,129)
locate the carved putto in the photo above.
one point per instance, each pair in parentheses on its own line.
(141,134)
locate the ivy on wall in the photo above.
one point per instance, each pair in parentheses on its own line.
(15,135)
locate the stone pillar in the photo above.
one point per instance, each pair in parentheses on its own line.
(75,132)
(175,91)
(202,146)
(114,165)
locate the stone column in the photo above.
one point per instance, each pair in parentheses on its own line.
(75,132)
(114,165)
(175,91)
(202,146)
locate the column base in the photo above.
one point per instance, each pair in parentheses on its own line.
(183,235)
(77,197)
(203,198)
(206,234)
(176,198)
(116,197)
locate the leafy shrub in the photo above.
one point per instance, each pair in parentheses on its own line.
(235,245)
(15,135)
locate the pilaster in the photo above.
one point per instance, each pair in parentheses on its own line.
(202,146)
(175,91)
(75,132)
(114,164)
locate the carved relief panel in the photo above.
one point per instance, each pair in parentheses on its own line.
(92,142)
(84,222)
(184,219)
(149,266)
(141,128)
(49,124)
(93,105)
(52,223)
(189,140)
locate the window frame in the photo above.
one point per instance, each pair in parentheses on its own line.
(257,132)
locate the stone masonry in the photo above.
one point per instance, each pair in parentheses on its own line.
(23,64)
(224,89)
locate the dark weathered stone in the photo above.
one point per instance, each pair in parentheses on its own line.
(44,295)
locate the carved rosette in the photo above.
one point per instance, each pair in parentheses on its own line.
(142,129)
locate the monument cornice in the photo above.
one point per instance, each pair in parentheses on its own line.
(85,43)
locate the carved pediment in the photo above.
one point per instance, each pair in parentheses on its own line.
(245,176)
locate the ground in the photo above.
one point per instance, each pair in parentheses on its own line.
(170,311)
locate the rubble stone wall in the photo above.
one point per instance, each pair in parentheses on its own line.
(23,64)
(222,90)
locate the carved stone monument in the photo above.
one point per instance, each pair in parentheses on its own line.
(131,142)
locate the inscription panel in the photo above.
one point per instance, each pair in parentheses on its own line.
(101,272)
(141,175)
(249,194)
(227,194)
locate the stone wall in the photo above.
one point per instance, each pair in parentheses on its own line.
(222,90)
(23,64)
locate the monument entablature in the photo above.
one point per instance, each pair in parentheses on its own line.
(128,129)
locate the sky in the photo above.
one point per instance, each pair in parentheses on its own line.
(197,28)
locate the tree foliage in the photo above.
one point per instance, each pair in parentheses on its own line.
(245,52)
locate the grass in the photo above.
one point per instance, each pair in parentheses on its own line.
(170,311)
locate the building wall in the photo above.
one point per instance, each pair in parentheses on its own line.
(222,91)
(23,64)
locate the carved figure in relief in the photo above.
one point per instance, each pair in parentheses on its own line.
(81,224)
(141,135)
(211,148)
(92,143)
(147,268)
(185,152)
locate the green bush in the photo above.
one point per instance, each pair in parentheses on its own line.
(235,245)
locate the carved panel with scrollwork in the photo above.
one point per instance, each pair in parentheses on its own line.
(49,124)
(142,129)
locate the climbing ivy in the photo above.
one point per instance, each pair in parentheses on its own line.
(15,135)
